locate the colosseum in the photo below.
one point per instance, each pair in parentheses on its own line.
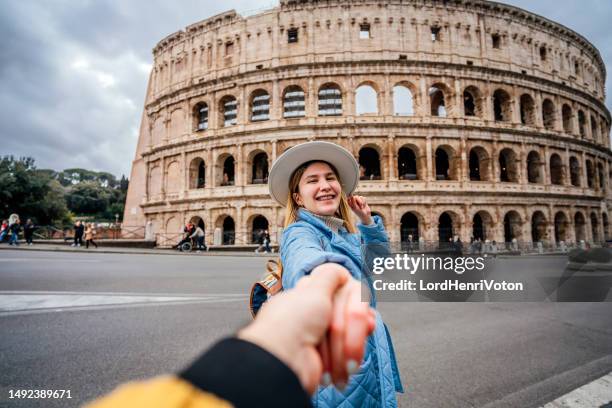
(470,119)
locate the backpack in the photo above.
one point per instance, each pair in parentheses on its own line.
(270,285)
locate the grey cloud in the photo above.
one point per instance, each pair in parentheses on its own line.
(72,80)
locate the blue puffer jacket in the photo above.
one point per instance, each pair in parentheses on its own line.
(308,243)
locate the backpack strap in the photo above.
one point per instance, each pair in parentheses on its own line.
(270,285)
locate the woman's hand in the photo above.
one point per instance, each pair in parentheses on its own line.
(361,209)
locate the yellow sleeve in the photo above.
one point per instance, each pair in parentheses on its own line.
(166,392)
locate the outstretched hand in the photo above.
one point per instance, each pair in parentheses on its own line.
(294,324)
(360,207)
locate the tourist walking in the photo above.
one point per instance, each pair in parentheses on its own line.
(90,234)
(15,228)
(79,229)
(4,229)
(198,236)
(28,231)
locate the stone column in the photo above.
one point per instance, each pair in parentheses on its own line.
(429,155)
(547,180)
(391,158)
(239,176)
(210,166)
(184,175)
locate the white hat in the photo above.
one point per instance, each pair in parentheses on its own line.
(288,162)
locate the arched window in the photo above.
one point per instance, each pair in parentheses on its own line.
(538,227)
(444,160)
(502,106)
(409,229)
(227,174)
(595,227)
(590,173)
(574,171)
(568,126)
(561,225)
(260,106)
(294,103)
(229,231)
(534,172)
(229,111)
(548,114)
(508,171)
(446,228)
(260,169)
(403,103)
(527,110)
(366,100)
(512,226)
(197,173)
(600,176)
(594,129)
(556,169)
(472,102)
(201,116)
(479,164)
(407,168)
(258,227)
(437,101)
(369,164)
(330,100)
(582,123)
(580,227)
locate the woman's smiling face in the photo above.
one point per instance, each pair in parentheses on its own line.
(319,189)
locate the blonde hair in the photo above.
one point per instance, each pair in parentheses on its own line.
(343,212)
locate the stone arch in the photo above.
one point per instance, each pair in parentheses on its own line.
(440,102)
(472,102)
(197,173)
(177,123)
(294,102)
(403,100)
(528,111)
(158,131)
(155,181)
(502,106)
(228,229)
(590,173)
(257,165)
(594,129)
(513,226)
(538,226)
(369,163)
(256,224)
(449,225)
(561,227)
(200,116)
(366,99)
(557,174)
(549,114)
(535,173)
(330,99)
(595,227)
(445,161)
(580,226)
(173,177)
(566,112)
(582,123)
(508,168)
(225,165)
(173,226)
(410,227)
(479,164)
(228,111)
(259,105)
(575,173)
(482,226)
(408,163)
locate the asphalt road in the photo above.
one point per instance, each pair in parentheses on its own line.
(60,328)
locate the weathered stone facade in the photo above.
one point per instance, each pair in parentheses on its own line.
(470,118)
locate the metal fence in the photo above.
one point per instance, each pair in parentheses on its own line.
(113,231)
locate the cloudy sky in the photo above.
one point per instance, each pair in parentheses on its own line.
(73,73)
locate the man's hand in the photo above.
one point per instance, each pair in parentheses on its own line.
(293,326)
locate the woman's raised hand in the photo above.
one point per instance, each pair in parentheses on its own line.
(360,207)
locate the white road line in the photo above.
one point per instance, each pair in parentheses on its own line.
(597,393)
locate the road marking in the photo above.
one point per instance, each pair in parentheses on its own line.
(36,302)
(597,393)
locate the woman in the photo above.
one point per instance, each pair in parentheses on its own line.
(312,181)
(90,233)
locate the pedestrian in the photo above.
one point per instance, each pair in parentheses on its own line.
(4,229)
(90,234)
(15,228)
(260,241)
(28,231)
(198,236)
(79,229)
(240,371)
(267,242)
(312,181)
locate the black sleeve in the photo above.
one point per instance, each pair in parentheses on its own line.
(246,376)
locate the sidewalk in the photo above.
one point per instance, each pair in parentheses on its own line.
(123,250)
